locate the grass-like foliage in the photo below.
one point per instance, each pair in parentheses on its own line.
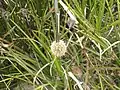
(28,28)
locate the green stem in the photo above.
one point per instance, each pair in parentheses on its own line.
(57,14)
(58,67)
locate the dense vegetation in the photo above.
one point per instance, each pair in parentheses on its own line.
(27,29)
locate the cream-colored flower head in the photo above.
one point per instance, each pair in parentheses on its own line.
(58,48)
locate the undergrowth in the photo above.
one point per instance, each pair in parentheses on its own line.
(92,60)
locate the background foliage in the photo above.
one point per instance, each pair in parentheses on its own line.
(27,29)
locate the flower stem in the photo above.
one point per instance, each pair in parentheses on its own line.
(57,17)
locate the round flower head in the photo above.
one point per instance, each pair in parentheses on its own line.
(58,48)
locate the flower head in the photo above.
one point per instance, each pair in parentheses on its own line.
(58,48)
